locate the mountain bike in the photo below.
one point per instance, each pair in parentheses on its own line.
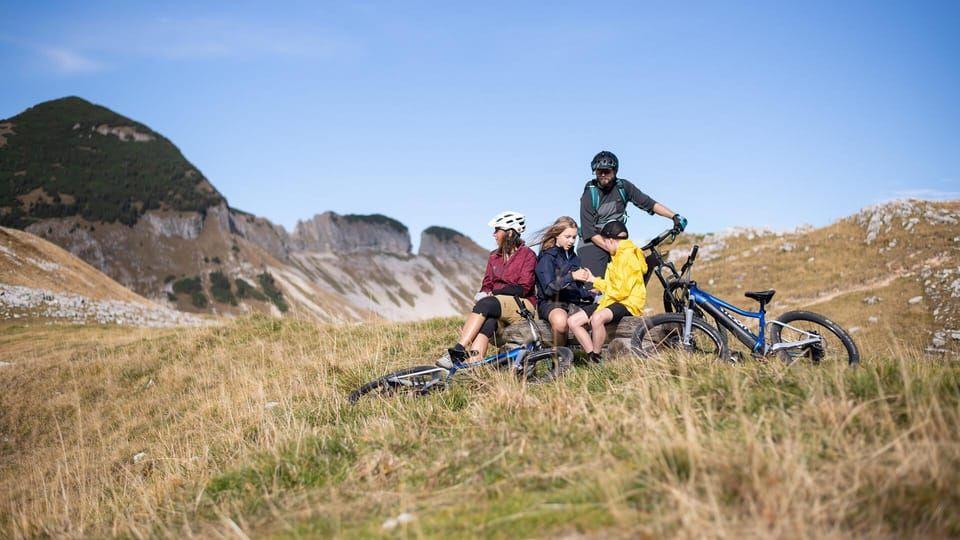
(791,336)
(531,361)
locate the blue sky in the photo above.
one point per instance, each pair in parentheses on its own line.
(732,113)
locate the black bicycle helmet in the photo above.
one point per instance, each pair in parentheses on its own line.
(605,160)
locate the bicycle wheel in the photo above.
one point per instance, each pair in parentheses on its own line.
(833,342)
(416,380)
(545,365)
(664,332)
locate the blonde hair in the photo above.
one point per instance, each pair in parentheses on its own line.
(548,235)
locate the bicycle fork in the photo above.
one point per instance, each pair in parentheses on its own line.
(687,325)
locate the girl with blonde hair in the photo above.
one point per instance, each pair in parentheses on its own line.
(559,295)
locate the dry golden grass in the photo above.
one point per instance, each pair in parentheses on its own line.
(675,446)
(244,429)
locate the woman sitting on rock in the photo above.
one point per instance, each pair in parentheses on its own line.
(558,294)
(510,272)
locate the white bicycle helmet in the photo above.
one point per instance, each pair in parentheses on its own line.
(509,220)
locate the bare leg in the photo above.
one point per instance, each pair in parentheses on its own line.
(480,344)
(578,322)
(470,329)
(599,331)
(558,321)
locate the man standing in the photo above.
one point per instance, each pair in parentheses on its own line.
(604,200)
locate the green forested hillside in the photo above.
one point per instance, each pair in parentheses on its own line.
(93,162)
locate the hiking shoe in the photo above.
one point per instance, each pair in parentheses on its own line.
(453,358)
(595,358)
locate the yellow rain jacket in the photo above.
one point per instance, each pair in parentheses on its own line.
(623,280)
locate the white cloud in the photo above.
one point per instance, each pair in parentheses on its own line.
(70,62)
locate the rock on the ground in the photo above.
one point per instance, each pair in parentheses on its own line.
(17,302)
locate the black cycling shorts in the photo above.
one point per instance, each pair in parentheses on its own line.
(544,308)
(619,311)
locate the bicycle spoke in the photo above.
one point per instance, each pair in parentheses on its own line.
(827,346)
(668,335)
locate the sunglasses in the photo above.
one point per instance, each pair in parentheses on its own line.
(604,172)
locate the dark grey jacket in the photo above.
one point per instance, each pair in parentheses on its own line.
(611,206)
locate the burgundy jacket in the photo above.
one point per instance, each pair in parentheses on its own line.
(518,270)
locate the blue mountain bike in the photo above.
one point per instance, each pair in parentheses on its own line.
(792,336)
(531,361)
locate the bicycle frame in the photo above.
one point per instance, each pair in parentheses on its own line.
(514,355)
(719,309)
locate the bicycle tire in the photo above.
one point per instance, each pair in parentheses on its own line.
(827,351)
(385,387)
(545,365)
(664,332)
(667,302)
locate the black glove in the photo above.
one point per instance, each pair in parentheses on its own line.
(679,222)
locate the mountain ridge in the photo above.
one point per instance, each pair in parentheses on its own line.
(158,222)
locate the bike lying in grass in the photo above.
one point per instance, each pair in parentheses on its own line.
(791,336)
(532,361)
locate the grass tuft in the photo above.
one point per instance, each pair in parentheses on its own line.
(126,432)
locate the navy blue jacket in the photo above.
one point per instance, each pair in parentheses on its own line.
(554,282)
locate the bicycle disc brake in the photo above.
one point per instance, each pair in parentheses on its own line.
(817,351)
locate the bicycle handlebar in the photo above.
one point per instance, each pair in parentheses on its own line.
(661,238)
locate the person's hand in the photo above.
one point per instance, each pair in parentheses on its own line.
(583,274)
(679,222)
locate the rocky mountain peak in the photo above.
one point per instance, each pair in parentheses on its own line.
(352,233)
(444,243)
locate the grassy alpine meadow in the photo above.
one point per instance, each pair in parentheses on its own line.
(244,430)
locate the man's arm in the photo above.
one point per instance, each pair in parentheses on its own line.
(679,222)
(639,198)
(596,239)
(645,202)
(662,210)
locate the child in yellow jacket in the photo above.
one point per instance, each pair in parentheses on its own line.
(622,286)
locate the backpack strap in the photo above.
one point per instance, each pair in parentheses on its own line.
(595,197)
(595,194)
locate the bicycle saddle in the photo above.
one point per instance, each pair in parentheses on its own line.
(760,296)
